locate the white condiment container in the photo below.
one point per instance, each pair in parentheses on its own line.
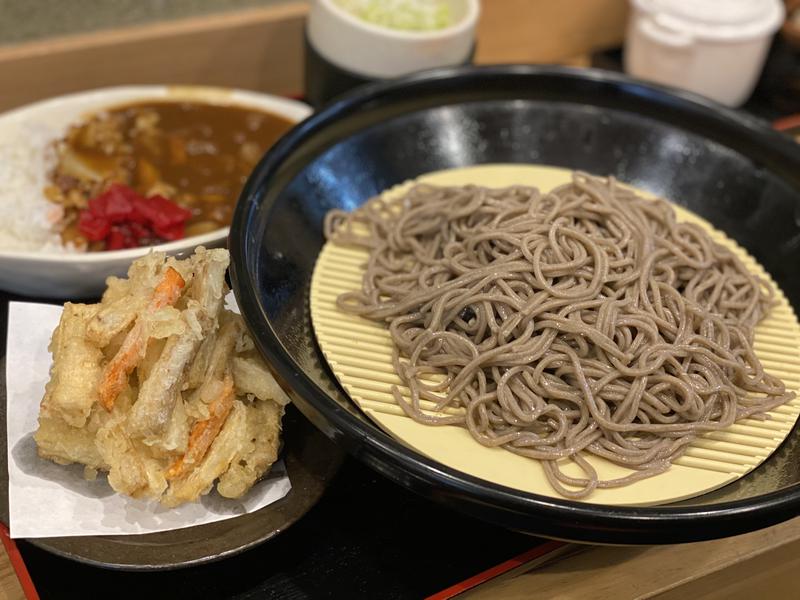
(371,50)
(715,48)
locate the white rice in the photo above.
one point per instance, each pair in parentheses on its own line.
(27,218)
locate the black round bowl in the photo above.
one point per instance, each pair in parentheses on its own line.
(722,164)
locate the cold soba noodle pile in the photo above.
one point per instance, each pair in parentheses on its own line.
(584,320)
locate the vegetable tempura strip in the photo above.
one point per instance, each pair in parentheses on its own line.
(210,366)
(62,443)
(153,409)
(204,432)
(217,460)
(77,367)
(252,376)
(130,354)
(114,318)
(257,451)
(218,361)
(168,289)
(131,472)
(196,373)
(150,415)
(208,287)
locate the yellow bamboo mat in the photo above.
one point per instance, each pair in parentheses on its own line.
(359,353)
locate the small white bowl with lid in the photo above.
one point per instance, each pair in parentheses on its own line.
(716,48)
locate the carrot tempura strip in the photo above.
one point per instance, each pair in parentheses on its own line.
(205,432)
(130,354)
(168,289)
(115,375)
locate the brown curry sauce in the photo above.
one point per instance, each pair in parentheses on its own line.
(198,155)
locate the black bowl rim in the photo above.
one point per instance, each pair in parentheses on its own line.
(577,520)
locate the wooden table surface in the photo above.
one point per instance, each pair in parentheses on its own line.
(10,589)
(11,579)
(762,564)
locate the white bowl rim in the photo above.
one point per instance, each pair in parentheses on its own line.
(288,108)
(467,22)
(129,254)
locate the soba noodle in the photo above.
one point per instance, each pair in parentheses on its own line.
(583,321)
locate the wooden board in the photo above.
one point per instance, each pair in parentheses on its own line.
(259,49)
(262,49)
(761,564)
(544,31)
(15,581)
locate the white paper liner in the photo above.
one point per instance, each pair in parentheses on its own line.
(50,500)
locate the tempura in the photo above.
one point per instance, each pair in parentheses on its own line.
(160,386)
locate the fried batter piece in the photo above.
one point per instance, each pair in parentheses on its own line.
(160,386)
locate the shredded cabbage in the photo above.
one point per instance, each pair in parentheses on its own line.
(412,15)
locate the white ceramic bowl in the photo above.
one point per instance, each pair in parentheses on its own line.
(64,275)
(374,51)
